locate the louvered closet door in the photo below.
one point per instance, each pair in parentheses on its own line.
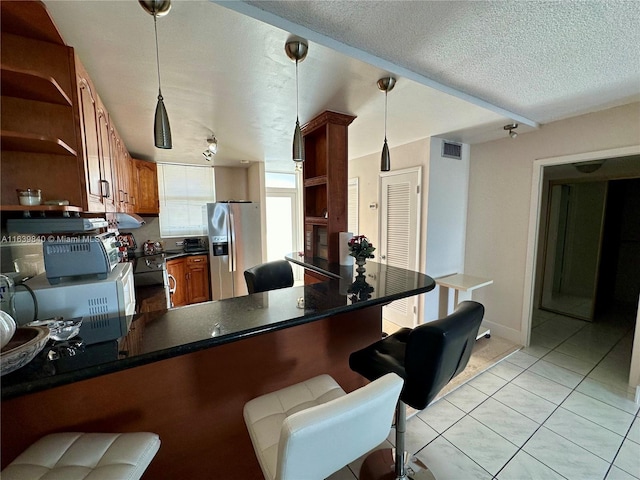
(399,238)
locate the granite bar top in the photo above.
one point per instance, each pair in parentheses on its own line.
(163,334)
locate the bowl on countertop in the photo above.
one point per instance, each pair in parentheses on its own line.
(25,344)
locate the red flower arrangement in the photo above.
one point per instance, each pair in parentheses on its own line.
(361,248)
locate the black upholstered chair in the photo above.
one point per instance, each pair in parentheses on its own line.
(426,357)
(269,276)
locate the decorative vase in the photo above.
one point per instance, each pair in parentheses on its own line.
(360,262)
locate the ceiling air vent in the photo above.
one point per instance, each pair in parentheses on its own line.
(452,150)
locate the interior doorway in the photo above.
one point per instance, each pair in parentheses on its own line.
(617,281)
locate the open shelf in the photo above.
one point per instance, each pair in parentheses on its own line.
(32,85)
(33,143)
(40,208)
(312,182)
(315,220)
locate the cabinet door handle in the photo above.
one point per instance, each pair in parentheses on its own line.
(106,191)
(175,283)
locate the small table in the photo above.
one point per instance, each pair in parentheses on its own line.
(463,285)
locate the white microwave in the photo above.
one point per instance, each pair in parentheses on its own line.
(89,298)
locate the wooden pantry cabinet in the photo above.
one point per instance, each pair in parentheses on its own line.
(189,280)
(325,174)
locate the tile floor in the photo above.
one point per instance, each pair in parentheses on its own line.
(557,409)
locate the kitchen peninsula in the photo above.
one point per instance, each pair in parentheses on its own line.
(186,373)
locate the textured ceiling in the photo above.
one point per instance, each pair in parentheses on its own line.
(540,59)
(464,69)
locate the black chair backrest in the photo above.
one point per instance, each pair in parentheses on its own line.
(438,351)
(269,276)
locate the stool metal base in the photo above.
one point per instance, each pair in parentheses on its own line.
(380,465)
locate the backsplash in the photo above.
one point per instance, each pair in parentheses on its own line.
(151,231)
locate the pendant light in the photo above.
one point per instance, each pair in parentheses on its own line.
(161,128)
(296,49)
(386,84)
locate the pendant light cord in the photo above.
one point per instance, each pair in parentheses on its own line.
(155,27)
(386,92)
(297,95)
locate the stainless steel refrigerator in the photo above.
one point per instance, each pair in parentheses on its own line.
(235,244)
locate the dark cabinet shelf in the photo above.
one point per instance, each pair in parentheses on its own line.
(34,143)
(325,184)
(32,85)
(315,181)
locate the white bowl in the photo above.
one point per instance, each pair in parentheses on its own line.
(23,347)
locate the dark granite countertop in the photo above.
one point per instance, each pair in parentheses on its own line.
(155,336)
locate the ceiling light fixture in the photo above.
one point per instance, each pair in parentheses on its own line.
(161,128)
(511,127)
(296,49)
(212,144)
(588,167)
(386,84)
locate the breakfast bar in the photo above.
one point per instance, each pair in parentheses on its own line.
(186,373)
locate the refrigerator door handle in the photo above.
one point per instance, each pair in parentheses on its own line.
(232,244)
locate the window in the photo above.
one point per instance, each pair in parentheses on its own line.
(184,190)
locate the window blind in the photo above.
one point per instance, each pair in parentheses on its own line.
(184,190)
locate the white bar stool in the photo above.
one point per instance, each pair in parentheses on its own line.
(312,429)
(85,456)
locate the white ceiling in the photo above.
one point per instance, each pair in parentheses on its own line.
(464,69)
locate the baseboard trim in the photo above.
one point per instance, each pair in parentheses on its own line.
(507,333)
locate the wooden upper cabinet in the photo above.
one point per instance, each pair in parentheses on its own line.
(146,188)
(56,134)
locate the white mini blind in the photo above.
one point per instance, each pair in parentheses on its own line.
(184,190)
(353,206)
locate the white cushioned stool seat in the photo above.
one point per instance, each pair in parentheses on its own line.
(85,456)
(313,429)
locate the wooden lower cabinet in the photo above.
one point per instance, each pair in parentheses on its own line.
(198,279)
(189,280)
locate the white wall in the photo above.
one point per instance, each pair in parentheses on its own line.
(446,219)
(500,179)
(443,209)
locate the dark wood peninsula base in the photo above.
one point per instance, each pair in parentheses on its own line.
(194,401)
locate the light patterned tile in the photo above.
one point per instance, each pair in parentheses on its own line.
(506,370)
(466,398)
(634,433)
(550,342)
(608,394)
(589,354)
(524,467)
(446,461)
(582,367)
(557,374)
(543,387)
(537,351)
(525,402)
(599,412)
(565,457)
(441,415)
(616,377)
(417,435)
(488,383)
(521,359)
(628,458)
(482,445)
(616,474)
(505,421)
(590,436)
